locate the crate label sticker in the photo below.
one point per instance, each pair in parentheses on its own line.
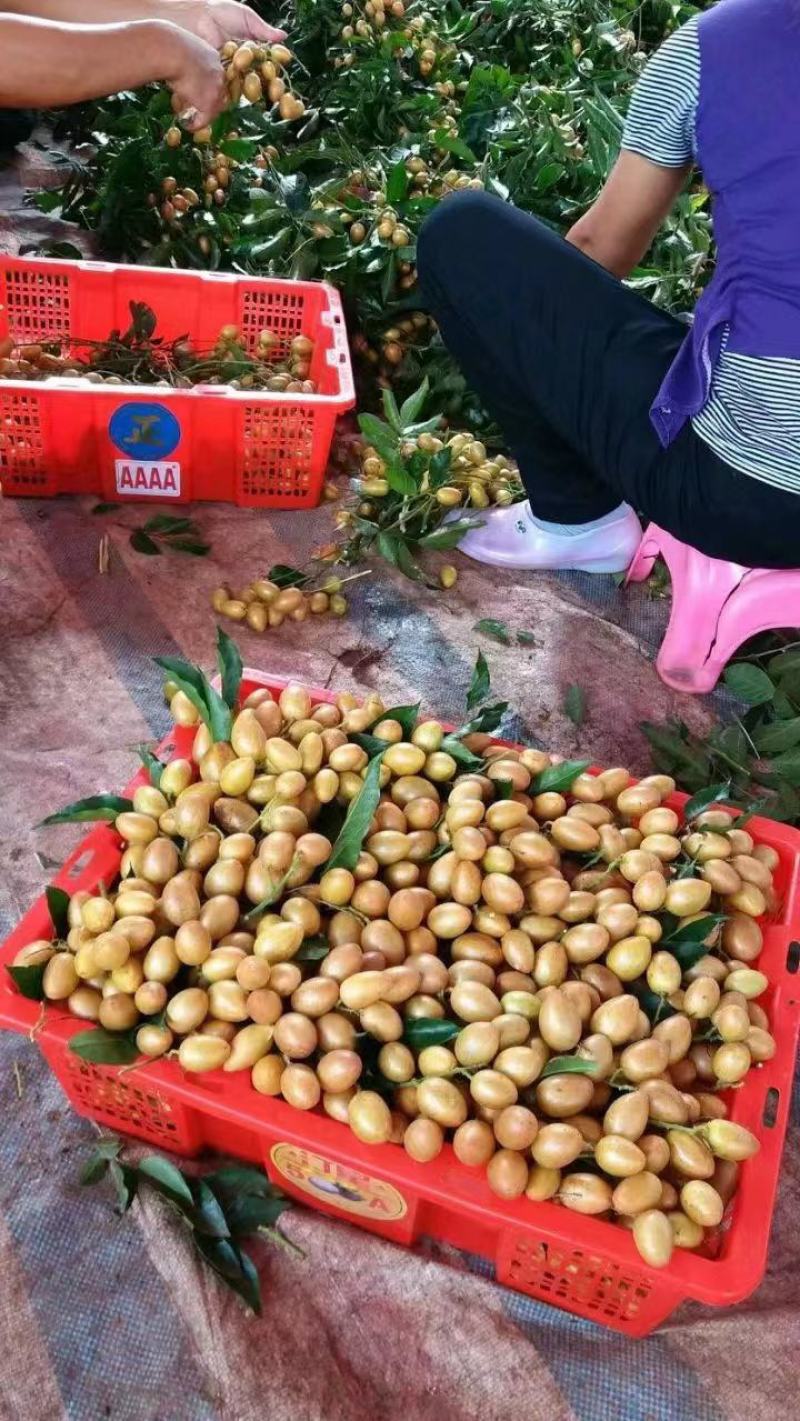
(162,480)
(338,1184)
(144,430)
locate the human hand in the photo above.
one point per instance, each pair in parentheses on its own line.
(196,79)
(217,21)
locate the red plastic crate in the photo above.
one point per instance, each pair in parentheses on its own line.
(259,449)
(587,1266)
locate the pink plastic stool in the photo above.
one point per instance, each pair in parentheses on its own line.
(715,607)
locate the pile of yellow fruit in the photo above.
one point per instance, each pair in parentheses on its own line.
(542,968)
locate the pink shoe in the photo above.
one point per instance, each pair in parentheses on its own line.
(511,537)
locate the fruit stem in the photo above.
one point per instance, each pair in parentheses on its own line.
(281,1241)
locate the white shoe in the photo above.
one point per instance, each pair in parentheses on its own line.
(511,537)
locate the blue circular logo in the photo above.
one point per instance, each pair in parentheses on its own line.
(144,430)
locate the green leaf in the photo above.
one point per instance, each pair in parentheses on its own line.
(274,893)
(141,542)
(406,717)
(785,663)
(233,1266)
(295,190)
(689,954)
(186,545)
(398,476)
(568,1066)
(379,434)
(486,721)
(575,704)
(449,535)
(690,933)
(423,426)
(154,766)
(390,409)
(165,1176)
(234,1180)
(397,181)
(230,667)
(249,1213)
(438,853)
(389,273)
(388,547)
(108,1147)
(548,176)
(787,766)
(749,683)
(197,688)
(656,1008)
(143,320)
(408,567)
(450,143)
(481,683)
(29,980)
(95,1168)
(421,1031)
(371,743)
(411,409)
(777,736)
(126,1183)
(264,252)
(208,1214)
(688,944)
(781,706)
(490,627)
(104,1048)
(359,817)
(167,523)
(106,508)
(189,679)
(96,807)
(503,789)
(466,759)
(557,779)
(526,638)
(284,576)
(750,810)
(312,949)
(248,1198)
(58,905)
(715,794)
(439,467)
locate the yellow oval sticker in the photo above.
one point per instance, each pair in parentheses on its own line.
(338,1184)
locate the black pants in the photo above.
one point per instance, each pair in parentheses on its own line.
(568,361)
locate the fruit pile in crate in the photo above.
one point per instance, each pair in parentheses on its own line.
(434,937)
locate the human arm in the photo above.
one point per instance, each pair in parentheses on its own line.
(620,226)
(44,64)
(215,21)
(657,157)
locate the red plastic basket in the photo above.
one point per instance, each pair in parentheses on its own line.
(586,1266)
(257,449)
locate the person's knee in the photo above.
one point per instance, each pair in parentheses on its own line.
(461,229)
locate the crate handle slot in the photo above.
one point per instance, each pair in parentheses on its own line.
(335,324)
(81,863)
(772,1101)
(793,958)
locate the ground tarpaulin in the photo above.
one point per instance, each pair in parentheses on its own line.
(101,1317)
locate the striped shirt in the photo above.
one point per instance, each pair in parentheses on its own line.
(752,417)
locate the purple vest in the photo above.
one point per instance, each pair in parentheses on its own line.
(748,147)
